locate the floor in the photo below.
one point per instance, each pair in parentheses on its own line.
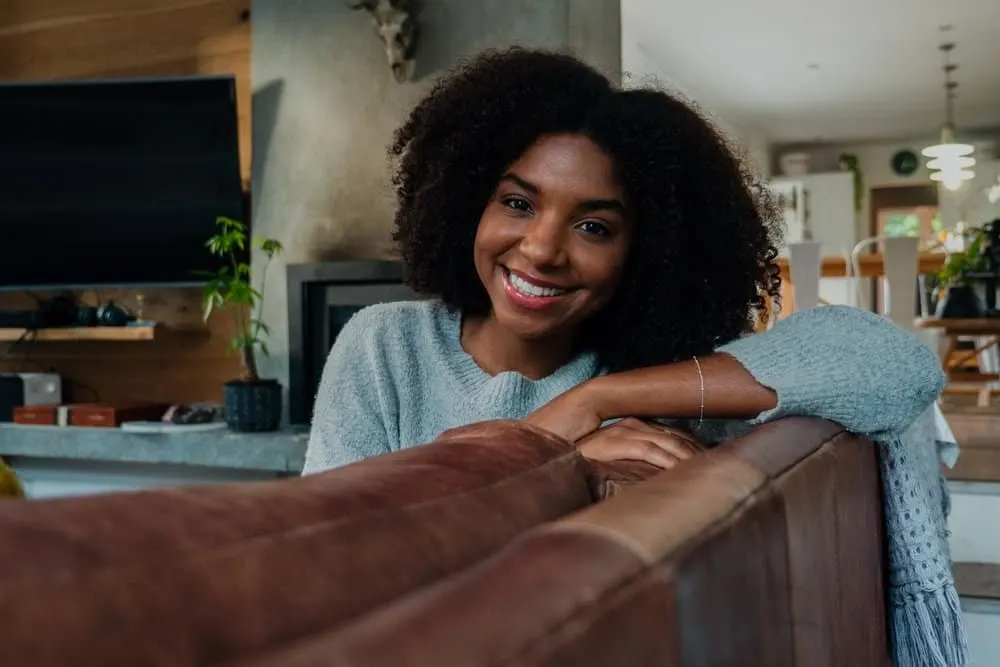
(975,549)
(982,621)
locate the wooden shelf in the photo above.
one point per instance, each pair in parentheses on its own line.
(113,334)
(953,326)
(870,265)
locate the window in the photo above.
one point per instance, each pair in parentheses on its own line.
(921,221)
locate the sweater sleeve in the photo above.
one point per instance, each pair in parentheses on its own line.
(843,364)
(348,416)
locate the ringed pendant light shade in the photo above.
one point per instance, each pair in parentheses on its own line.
(951,162)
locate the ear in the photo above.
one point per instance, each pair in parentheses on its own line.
(362,4)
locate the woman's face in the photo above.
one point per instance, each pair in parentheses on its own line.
(552,242)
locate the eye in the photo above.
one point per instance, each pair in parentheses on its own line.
(515,203)
(594,228)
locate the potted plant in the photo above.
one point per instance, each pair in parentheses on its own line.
(959,298)
(252,404)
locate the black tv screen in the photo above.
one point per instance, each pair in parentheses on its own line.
(115,182)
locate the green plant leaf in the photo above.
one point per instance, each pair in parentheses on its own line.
(959,265)
(232,285)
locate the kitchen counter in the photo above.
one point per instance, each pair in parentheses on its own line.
(282,451)
(59,461)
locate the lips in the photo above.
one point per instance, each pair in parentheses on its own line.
(529,288)
(528,294)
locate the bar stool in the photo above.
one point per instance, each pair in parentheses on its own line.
(900,261)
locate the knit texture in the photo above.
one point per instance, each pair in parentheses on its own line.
(397,377)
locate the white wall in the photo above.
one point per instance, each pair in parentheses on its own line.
(969,204)
(641,69)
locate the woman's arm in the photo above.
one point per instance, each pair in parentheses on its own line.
(347,423)
(835,362)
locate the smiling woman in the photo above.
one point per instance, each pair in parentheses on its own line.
(595,258)
(550,250)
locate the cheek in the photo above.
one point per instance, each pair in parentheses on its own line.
(602,270)
(493,235)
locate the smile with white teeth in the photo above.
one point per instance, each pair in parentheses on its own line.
(528,289)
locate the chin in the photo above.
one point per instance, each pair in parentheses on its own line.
(527,327)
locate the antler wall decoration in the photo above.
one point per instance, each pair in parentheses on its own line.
(396,26)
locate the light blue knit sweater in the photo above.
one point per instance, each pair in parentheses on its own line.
(398,376)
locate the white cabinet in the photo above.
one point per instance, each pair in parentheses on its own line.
(829,217)
(829,207)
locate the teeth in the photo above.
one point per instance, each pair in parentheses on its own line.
(526,288)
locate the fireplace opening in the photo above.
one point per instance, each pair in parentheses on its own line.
(322,297)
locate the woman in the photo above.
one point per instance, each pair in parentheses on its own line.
(594,257)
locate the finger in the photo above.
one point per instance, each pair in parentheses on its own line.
(626,449)
(677,447)
(648,452)
(635,424)
(644,427)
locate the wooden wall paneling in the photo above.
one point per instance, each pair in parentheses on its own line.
(176,369)
(81,39)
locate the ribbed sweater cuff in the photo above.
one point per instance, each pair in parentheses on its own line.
(807,381)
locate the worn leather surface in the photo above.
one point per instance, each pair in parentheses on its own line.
(738,558)
(46,537)
(194,576)
(526,592)
(606,478)
(835,544)
(485,548)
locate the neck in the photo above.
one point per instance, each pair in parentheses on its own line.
(496,350)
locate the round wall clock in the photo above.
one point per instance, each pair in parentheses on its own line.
(905,162)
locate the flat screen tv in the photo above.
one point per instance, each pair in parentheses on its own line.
(115,182)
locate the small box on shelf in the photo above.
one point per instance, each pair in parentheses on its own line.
(88,414)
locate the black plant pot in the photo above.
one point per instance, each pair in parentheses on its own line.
(959,302)
(253,407)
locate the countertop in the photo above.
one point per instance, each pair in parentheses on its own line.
(282,451)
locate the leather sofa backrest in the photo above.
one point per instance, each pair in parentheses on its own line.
(764,551)
(195,576)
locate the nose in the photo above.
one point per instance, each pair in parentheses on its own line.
(544,243)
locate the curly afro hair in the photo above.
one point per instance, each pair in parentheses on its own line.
(703,256)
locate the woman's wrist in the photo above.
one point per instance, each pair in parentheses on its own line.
(594,395)
(717,386)
(632,394)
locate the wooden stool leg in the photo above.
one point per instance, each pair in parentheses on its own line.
(983,399)
(946,346)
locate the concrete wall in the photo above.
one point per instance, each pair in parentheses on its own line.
(325,106)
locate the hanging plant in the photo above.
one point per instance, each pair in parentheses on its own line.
(849,162)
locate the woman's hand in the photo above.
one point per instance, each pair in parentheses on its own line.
(575,417)
(636,440)
(572,415)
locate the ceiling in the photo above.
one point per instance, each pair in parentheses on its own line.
(812,70)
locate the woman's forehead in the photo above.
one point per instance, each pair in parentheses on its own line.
(567,162)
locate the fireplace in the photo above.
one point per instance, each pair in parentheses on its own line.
(322,297)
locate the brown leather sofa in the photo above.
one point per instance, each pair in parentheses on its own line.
(496,545)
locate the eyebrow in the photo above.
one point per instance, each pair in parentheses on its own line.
(587,205)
